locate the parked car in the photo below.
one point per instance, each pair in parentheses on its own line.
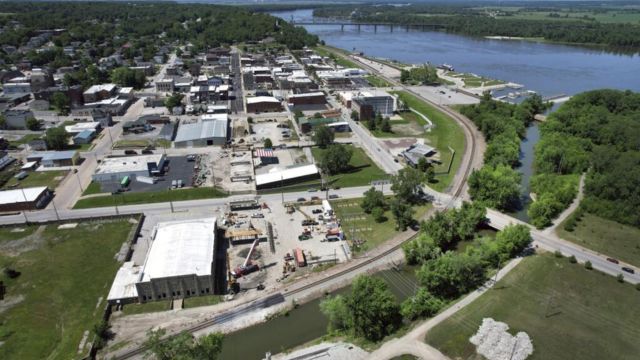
(334,196)
(301,199)
(130,152)
(304,237)
(191,157)
(316,211)
(315,198)
(628,269)
(257,216)
(146,152)
(174,184)
(332,238)
(612,260)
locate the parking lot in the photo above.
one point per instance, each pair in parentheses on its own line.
(270,130)
(176,168)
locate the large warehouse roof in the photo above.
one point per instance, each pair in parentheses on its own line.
(286,174)
(181,248)
(202,130)
(262,99)
(128,164)
(21,195)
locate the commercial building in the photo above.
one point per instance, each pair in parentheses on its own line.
(92,126)
(181,261)
(55,158)
(312,98)
(280,177)
(165,85)
(99,92)
(416,151)
(367,104)
(24,199)
(309,124)
(112,170)
(263,104)
(84,137)
(210,129)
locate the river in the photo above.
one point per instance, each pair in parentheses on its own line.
(303,324)
(549,69)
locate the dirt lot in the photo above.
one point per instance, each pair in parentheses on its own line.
(270,130)
(286,229)
(286,157)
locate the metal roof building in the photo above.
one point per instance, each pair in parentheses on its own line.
(24,199)
(278,177)
(211,129)
(114,169)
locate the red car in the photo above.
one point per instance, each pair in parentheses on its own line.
(613,260)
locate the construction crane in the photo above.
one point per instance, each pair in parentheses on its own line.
(247,267)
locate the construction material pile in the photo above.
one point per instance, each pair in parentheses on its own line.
(494,342)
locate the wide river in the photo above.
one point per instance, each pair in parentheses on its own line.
(549,69)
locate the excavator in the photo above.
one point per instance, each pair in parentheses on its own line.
(247,267)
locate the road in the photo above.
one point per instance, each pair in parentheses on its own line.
(237,104)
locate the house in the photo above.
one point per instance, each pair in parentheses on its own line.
(99,92)
(17,119)
(263,104)
(103,117)
(41,79)
(55,158)
(84,137)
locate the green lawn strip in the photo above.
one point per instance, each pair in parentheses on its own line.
(121,144)
(51,179)
(377,81)
(134,198)
(569,312)
(61,283)
(93,188)
(364,170)
(326,51)
(202,301)
(445,133)
(25,139)
(153,306)
(357,224)
(294,132)
(15,232)
(606,237)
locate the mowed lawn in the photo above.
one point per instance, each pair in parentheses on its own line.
(50,179)
(446,133)
(359,225)
(363,169)
(135,198)
(60,282)
(607,237)
(569,312)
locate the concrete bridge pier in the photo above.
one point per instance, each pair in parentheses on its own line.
(391,27)
(342,27)
(375,28)
(358,27)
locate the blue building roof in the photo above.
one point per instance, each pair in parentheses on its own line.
(86,134)
(58,155)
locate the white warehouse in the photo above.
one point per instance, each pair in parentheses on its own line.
(112,170)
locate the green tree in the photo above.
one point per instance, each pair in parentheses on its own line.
(173,101)
(354,115)
(336,159)
(267,143)
(61,103)
(3,121)
(323,136)
(371,123)
(373,199)
(385,125)
(430,175)
(403,214)
(421,249)
(497,187)
(183,346)
(124,76)
(32,123)
(373,308)
(422,304)
(57,138)
(407,184)
(378,214)
(452,274)
(335,309)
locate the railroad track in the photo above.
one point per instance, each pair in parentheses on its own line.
(275,298)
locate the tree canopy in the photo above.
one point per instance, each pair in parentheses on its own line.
(323,136)
(184,346)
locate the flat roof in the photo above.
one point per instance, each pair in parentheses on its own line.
(21,195)
(53,155)
(259,99)
(286,174)
(101,87)
(128,163)
(303,95)
(124,284)
(202,130)
(80,127)
(181,248)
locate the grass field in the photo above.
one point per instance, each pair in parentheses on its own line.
(150,197)
(61,283)
(364,170)
(411,125)
(376,81)
(446,133)
(51,179)
(25,139)
(15,232)
(325,51)
(473,81)
(93,188)
(153,306)
(606,237)
(202,301)
(123,144)
(569,313)
(610,16)
(359,225)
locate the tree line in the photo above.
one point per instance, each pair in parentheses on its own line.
(597,133)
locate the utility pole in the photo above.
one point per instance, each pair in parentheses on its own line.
(79,183)
(24,212)
(55,209)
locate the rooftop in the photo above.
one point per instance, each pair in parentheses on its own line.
(124,285)
(80,127)
(259,99)
(21,195)
(291,173)
(202,129)
(181,248)
(129,163)
(102,87)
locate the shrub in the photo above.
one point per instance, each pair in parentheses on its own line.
(620,278)
(11,273)
(587,265)
(638,286)
(572,259)
(557,254)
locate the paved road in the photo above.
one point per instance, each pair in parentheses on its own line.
(552,242)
